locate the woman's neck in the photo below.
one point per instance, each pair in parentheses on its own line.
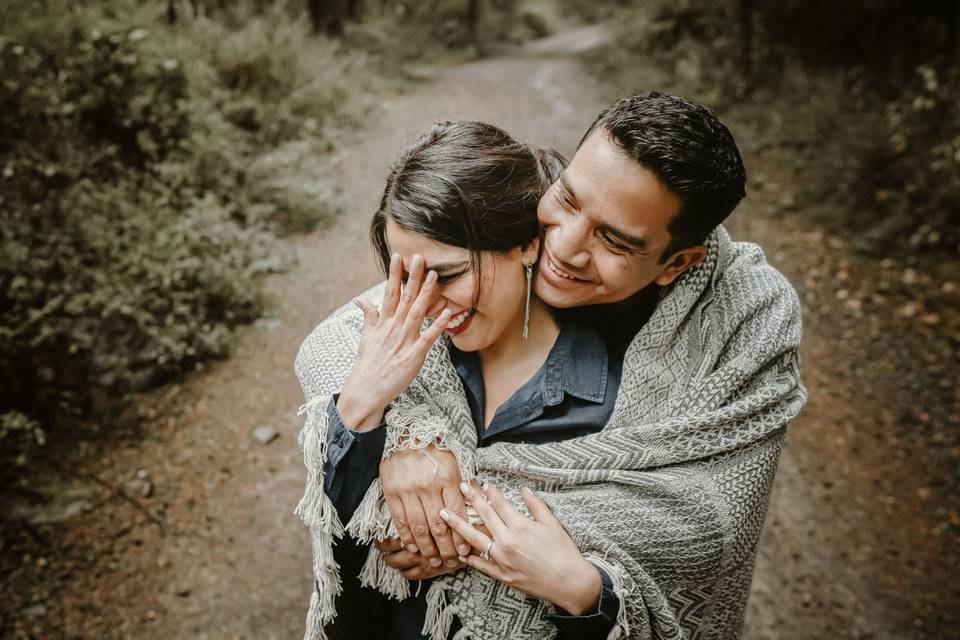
(512,350)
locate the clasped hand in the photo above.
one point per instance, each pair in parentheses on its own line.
(534,555)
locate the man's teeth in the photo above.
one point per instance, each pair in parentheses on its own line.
(557,271)
(458,319)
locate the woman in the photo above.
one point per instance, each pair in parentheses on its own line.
(457,235)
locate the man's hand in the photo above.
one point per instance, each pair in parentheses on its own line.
(411,566)
(415,495)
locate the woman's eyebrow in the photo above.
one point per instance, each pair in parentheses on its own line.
(448,266)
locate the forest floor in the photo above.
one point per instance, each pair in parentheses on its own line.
(183,522)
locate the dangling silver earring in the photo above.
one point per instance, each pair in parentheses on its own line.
(526,311)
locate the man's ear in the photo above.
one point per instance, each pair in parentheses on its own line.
(680,262)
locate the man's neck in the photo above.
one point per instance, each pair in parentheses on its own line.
(619,321)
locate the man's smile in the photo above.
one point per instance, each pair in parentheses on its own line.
(555,269)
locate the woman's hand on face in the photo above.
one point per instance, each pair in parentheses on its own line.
(392,349)
(535,556)
(417,483)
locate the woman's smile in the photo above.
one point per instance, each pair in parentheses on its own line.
(460,322)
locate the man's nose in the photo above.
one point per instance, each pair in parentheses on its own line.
(569,242)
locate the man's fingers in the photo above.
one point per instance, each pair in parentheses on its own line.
(441,533)
(453,502)
(403,560)
(419,527)
(391,296)
(399,516)
(390,545)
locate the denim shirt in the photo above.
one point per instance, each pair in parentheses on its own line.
(572,394)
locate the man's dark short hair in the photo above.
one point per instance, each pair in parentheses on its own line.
(689,150)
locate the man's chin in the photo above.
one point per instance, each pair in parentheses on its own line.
(562,298)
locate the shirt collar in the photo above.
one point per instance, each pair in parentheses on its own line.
(577,365)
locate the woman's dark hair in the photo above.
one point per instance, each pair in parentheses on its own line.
(466,184)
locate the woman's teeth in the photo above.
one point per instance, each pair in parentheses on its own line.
(458,319)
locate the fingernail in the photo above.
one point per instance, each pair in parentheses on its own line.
(416,262)
(435,562)
(463,559)
(394,258)
(444,514)
(412,548)
(451,563)
(464,488)
(431,277)
(464,550)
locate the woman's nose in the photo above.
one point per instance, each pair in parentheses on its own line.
(438,304)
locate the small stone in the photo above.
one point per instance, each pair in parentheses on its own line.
(182,591)
(35,611)
(268,324)
(138,486)
(265,435)
(787,201)
(908,310)
(909,276)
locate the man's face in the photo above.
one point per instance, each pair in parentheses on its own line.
(605,224)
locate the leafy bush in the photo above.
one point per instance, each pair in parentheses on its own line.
(880,147)
(139,201)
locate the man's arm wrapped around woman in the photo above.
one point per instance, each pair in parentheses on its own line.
(669,498)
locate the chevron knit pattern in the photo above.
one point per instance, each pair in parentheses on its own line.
(669,498)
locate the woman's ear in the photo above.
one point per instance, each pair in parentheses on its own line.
(680,262)
(530,252)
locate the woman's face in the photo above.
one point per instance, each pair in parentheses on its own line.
(501,280)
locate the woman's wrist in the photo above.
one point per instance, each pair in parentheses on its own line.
(359,416)
(582,593)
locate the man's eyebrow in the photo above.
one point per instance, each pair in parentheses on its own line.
(634,242)
(566,186)
(627,238)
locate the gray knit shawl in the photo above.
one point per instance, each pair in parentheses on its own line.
(669,498)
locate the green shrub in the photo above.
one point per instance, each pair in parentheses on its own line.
(881,149)
(145,175)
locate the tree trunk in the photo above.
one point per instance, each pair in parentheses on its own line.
(355,10)
(171,12)
(746,38)
(473,22)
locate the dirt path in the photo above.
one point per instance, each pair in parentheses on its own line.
(214,551)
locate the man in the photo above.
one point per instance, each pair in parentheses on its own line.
(651,180)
